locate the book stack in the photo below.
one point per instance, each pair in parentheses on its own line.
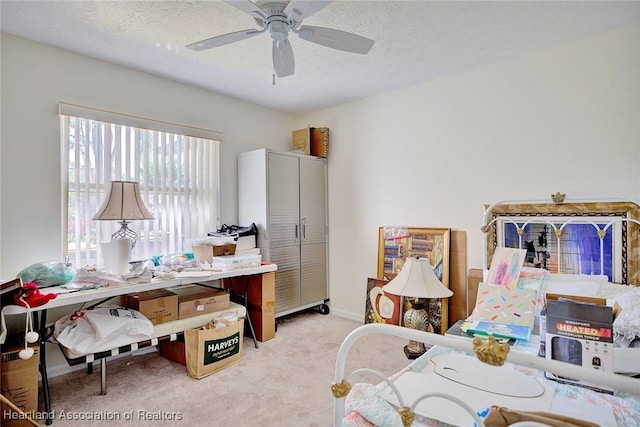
(464,329)
(10,286)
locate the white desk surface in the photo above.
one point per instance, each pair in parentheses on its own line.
(113,290)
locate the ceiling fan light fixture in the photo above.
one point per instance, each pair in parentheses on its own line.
(278,29)
(280,17)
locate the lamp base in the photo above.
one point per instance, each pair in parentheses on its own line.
(416,318)
(413,354)
(125,232)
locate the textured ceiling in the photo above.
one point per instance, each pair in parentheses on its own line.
(414,41)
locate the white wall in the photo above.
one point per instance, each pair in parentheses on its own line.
(564,119)
(36,77)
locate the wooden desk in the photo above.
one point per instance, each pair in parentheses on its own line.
(66,298)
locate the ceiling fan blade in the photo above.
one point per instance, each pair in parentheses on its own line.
(283,61)
(224,39)
(297,10)
(336,39)
(248,7)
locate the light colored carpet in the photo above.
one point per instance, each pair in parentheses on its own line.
(286,382)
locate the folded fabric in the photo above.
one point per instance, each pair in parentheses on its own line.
(500,416)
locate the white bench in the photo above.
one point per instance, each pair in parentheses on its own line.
(169,331)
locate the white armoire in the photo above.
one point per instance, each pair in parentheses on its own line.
(285,195)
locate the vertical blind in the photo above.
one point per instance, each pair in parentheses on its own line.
(176,166)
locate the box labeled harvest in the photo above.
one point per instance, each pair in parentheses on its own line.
(209,350)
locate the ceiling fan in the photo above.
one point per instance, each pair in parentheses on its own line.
(278,18)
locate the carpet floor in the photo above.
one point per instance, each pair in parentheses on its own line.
(285,382)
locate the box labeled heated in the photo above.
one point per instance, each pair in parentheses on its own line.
(581,334)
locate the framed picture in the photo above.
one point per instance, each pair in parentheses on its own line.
(396,243)
(382,307)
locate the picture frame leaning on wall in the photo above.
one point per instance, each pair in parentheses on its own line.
(396,243)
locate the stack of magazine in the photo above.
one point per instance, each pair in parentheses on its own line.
(503,332)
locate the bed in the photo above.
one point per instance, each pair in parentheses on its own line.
(461,381)
(365,405)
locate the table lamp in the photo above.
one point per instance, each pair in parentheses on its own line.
(123,204)
(417,280)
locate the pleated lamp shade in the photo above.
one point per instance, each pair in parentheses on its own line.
(124,202)
(417,280)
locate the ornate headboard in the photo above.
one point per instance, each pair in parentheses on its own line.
(569,235)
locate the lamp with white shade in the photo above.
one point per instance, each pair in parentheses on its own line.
(124,204)
(417,280)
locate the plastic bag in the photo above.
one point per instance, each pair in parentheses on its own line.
(100,329)
(47,274)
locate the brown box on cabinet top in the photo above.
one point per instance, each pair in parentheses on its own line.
(320,142)
(311,141)
(301,140)
(159,305)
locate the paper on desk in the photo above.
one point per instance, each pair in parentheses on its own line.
(194,273)
(601,415)
(412,385)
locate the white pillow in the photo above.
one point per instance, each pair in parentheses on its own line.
(575,284)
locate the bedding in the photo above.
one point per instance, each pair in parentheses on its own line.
(369,405)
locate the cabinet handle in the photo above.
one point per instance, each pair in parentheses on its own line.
(304,228)
(296,231)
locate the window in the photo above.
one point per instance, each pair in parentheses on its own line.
(176,166)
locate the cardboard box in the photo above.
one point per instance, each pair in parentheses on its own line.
(474,279)
(320,142)
(174,351)
(159,305)
(311,141)
(262,305)
(194,300)
(19,384)
(301,140)
(264,324)
(262,290)
(206,252)
(582,334)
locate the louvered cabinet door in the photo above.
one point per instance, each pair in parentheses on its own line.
(284,228)
(313,223)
